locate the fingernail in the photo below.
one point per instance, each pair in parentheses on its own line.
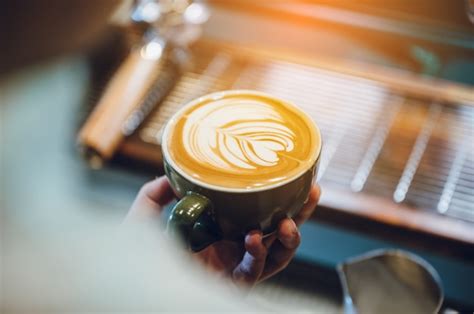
(306,200)
(251,234)
(297,237)
(293,239)
(294,228)
(294,234)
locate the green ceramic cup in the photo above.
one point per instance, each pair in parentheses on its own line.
(206,213)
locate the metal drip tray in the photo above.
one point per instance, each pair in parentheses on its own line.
(412,151)
(400,158)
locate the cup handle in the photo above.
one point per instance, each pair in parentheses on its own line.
(192,221)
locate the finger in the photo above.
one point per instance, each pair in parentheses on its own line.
(151,198)
(303,215)
(288,234)
(278,258)
(249,270)
(157,191)
(283,250)
(309,206)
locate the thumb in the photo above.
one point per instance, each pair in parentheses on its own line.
(151,199)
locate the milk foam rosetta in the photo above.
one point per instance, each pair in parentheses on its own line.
(242,141)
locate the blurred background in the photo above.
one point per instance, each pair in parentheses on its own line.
(391,85)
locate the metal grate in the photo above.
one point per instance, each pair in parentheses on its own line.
(412,151)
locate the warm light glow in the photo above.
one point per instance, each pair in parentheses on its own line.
(196,13)
(151,12)
(152,51)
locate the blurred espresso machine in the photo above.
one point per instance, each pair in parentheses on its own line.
(390,83)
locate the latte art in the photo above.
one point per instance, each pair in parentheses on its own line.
(237,136)
(241,140)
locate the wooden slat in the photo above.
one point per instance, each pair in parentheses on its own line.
(398,80)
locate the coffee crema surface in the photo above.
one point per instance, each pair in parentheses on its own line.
(242,140)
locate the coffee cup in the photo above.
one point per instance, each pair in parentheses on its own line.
(238,160)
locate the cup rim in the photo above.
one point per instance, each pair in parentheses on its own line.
(218,95)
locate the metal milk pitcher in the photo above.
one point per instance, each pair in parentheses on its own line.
(390,281)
